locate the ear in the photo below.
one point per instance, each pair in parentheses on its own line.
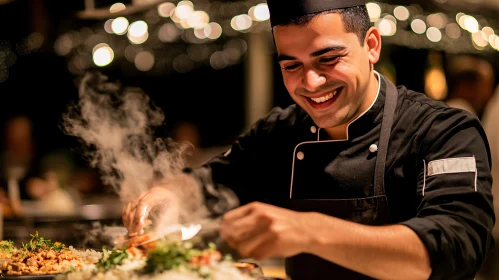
(372,45)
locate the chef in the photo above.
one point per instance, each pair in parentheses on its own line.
(359,179)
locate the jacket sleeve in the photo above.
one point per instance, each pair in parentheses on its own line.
(455,216)
(241,174)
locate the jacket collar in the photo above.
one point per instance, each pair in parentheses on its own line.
(366,121)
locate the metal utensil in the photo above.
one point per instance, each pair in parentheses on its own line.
(175,232)
(186,232)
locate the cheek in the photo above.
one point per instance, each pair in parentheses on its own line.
(345,72)
(352,71)
(290,83)
(363,63)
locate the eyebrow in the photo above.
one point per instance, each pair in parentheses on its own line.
(320,52)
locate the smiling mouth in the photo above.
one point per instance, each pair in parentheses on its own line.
(325,98)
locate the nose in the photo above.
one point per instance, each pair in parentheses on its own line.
(312,80)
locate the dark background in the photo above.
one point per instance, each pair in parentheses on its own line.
(40,86)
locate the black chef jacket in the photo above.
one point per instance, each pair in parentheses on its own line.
(452,213)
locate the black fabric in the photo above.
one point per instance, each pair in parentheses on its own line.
(453,221)
(368,211)
(282,11)
(372,210)
(384,139)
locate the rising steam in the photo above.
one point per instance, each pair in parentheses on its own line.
(117,126)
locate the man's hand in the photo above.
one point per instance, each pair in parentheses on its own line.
(159,199)
(261,231)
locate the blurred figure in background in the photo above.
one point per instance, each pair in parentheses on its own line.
(23,178)
(471,84)
(471,88)
(18,164)
(490,124)
(490,121)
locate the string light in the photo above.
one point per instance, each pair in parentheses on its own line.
(102,55)
(261,12)
(418,26)
(486,32)
(453,31)
(144,61)
(434,34)
(166,9)
(119,25)
(116,8)
(401,13)
(438,20)
(494,41)
(374,11)
(471,24)
(241,22)
(168,23)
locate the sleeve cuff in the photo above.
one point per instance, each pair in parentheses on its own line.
(425,230)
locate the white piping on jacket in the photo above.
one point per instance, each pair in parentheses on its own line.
(318,134)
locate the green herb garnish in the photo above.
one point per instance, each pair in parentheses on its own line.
(7,246)
(41,243)
(170,256)
(113,258)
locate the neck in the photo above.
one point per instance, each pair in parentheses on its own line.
(341,132)
(337,132)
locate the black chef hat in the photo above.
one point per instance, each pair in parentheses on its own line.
(282,11)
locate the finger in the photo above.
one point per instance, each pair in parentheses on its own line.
(129,212)
(257,246)
(131,218)
(141,213)
(232,231)
(239,212)
(243,229)
(265,250)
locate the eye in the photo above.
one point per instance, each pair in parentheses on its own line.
(329,59)
(291,67)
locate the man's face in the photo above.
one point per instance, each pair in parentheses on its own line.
(325,69)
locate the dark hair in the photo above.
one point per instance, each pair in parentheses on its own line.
(355,19)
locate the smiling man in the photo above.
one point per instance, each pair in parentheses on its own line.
(359,179)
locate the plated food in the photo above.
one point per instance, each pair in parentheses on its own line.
(162,259)
(39,256)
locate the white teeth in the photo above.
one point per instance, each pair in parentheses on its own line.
(325,97)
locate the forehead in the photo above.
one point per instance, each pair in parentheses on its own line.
(322,29)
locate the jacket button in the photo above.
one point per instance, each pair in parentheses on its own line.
(300,155)
(373,148)
(313,129)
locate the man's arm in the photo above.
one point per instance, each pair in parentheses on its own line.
(382,252)
(261,231)
(226,181)
(455,215)
(448,237)
(236,177)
